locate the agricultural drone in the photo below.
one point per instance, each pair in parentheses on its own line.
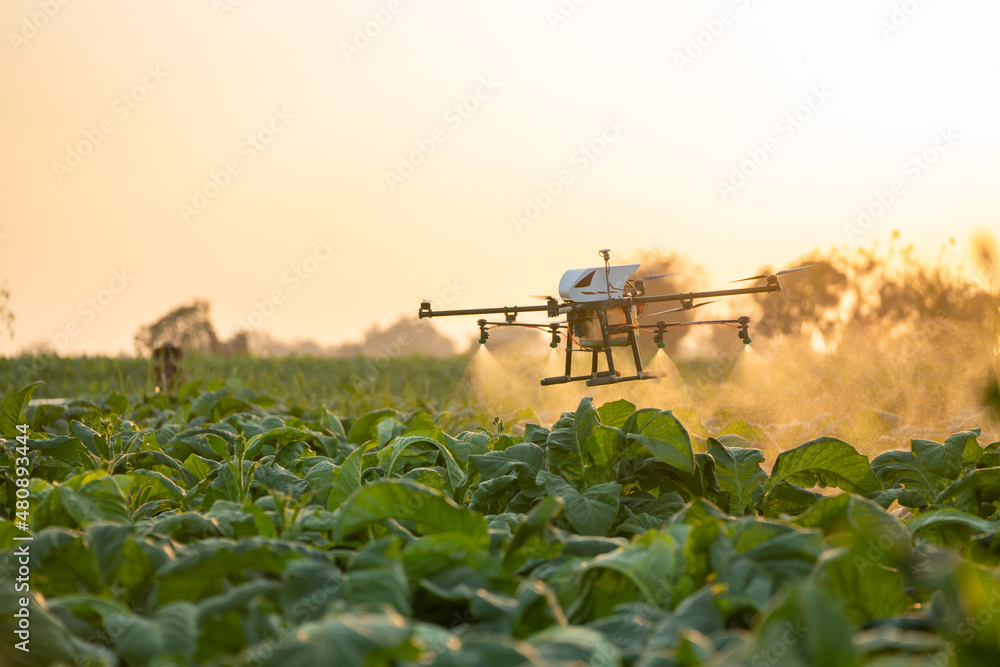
(603,307)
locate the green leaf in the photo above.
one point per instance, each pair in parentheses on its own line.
(12,410)
(972,490)
(204,568)
(644,570)
(404,500)
(172,632)
(616,413)
(825,462)
(739,473)
(950,517)
(402,443)
(592,512)
(275,438)
(873,535)
(948,460)
(347,640)
(97,500)
(158,484)
(867,593)
(333,424)
(745,430)
(575,646)
(807,626)
(349,479)
(663,436)
(366,427)
(528,541)
(564,454)
(94,441)
(787,498)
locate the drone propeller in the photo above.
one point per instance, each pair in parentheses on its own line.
(678,310)
(779,273)
(656,276)
(543,297)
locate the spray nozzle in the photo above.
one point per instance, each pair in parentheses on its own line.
(661,328)
(744,331)
(556,338)
(483,334)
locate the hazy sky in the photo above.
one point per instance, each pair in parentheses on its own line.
(313,179)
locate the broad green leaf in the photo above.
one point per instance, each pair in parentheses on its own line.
(867,591)
(948,460)
(825,462)
(972,490)
(873,535)
(366,427)
(745,430)
(69,450)
(274,438)
(404,500)
(575,646)
(739,474)
(206,568)
(663,436)
(61,563)
(93,440)
(564,455)
(615,413)
(333,424)
(352,639)
(402,443)
(898,467)
(587,419)
(172,632)
(645,570)
(591,512)
(528,541)
(98,500)
(12,410)
(349,479)
(950,518)
(807,627)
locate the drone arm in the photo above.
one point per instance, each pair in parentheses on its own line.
(708,295)
(550,308)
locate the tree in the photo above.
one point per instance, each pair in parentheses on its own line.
(684,275)
(188,327)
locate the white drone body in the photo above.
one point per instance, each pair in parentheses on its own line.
(581,285)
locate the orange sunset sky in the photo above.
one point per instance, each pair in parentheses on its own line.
(354,157)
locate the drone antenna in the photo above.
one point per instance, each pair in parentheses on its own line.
(606,255)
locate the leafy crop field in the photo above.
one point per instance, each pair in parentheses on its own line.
(219,527)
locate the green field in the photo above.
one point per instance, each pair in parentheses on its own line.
(222,526)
